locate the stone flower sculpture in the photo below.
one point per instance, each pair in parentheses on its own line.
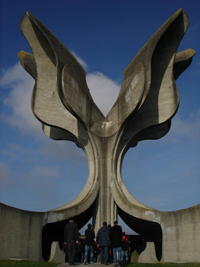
(146,103)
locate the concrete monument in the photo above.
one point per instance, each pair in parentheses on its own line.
(146,103)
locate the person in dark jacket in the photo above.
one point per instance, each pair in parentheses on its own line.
(80,249)
(104,242)
(89,244)
(110,254)
(125,246)
(96,252)
(65,251)
(70,240)
(116,241)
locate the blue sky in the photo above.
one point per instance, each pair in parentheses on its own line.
(39,174)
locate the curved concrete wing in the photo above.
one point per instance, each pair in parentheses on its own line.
(46,102)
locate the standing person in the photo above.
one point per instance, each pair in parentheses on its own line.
(89,244)
(80,249)
(104,242)
(125,246)
(116,241)
(65,251)
(110,254)
(70,240)
(96,252)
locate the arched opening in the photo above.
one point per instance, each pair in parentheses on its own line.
(148,232)
(55,232)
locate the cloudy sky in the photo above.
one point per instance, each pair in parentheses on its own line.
(39,174)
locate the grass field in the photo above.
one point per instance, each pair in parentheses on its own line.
(11,263)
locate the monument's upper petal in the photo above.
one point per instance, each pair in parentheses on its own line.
(78,101)
(182,61)
(45,66)
(146,53)
(160,99)
(148,95)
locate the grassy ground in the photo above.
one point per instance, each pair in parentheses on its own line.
(164,265)
(12,263)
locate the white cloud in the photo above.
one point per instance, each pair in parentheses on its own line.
(103,90)
(80,60)
(18,100)
(12,76)
(19,86)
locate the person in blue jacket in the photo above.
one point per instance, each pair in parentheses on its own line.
(104,242)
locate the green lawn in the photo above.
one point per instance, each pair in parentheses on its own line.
(10,263)
(164,265)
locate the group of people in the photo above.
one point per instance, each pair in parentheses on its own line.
(113,243)
(111,239)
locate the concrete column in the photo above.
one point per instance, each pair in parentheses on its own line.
(105,207)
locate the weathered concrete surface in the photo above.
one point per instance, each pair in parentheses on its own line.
(20,233)
(146,103)
(56,254)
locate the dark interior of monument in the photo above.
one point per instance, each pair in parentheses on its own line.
(147,232)
(55,231)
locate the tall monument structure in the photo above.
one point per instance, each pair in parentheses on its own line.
(146,103)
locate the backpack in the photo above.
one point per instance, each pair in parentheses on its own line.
(124,244)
